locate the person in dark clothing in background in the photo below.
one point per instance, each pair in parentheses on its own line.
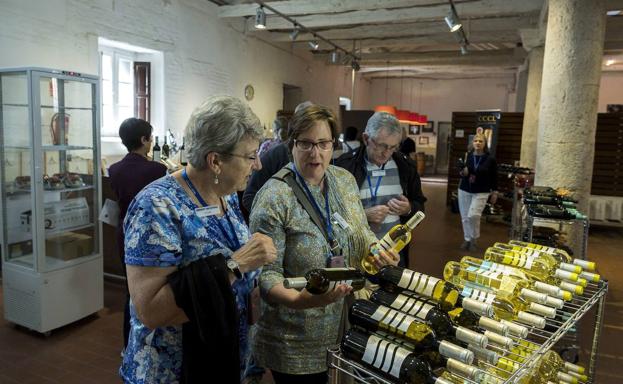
(389,185)
(408,148)
(479,183)
(127,178)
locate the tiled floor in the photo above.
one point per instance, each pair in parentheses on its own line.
(88,351)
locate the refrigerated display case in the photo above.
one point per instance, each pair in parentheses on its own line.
(50,195)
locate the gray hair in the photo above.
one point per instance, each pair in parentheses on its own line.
(218,125)
(383,120)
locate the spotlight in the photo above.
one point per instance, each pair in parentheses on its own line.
(355,65)
(464,50)
(453,21)
(334,58)
(295,32)
(313,45)
(260,18)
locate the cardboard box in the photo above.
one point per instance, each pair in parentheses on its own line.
(69,246)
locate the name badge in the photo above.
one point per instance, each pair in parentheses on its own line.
(210,210)
(337,218)
(378,173)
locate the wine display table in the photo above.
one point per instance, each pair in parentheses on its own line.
(343,370)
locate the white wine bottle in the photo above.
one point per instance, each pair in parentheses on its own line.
(397,279)
(547,258)
(320,280)
(375,317)
(507,270)
(438,320)
(392,360)
(396,239)
(511,307)
(460,274)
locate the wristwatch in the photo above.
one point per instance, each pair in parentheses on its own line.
(234,267)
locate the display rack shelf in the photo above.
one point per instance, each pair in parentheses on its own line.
(594,295)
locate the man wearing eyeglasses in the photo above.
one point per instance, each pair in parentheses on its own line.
(389,185)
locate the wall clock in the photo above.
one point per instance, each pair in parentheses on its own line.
(249,92)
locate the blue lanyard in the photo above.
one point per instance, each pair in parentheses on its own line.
(233,243)
(476,164)
(327,218)
(375,193)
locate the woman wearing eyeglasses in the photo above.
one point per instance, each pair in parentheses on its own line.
(191,260)
(296,327)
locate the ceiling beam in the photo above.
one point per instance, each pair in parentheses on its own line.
(306,7)
(424,29)
(480,9)
(493,58)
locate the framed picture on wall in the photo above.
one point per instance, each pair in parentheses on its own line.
(423,140)
(429,127)
(414,129)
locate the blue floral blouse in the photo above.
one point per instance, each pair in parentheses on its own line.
(162,230)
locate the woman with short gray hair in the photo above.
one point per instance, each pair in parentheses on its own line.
(185,238)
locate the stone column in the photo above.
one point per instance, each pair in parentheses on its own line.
(569,95)
(531,112)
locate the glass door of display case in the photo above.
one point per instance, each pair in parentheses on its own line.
(49,184)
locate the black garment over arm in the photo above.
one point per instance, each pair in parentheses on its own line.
(210,340)
(272,161)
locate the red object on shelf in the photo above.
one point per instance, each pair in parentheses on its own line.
(414,118)
(403,116)
(385,108)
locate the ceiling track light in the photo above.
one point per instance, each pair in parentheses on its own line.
(355,65)
(334,57)
(295,32)
(313,45)
(464,50)
(453,21)
(260,18)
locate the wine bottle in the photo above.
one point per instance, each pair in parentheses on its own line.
(510,307)
(396,239)
(165,148)
(548,200)
(469,319)
(535,253)
(395,279)
(374,317)
(585,264)
(542,267)
(461,274)
(156,151)
(391,359)
(183,159)
(507,270)
(438,320)
(320,280)
(550,212)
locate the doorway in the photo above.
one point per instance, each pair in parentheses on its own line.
(292,96)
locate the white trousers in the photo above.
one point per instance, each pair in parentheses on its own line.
(471,206)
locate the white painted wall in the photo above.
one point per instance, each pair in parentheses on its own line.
(203,55)
(610,90)
(439,98)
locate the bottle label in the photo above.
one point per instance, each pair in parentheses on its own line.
(412,306)
(156,155)
(384,355)
(521,261)
(387,243)
(477,294)
(393,318)
(505,269)
(418,282)
(483,276)
(334,284)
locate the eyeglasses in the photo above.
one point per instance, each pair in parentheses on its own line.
(306,146)
(384,147)
(250,158)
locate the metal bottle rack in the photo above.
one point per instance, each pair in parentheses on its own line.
(343,370)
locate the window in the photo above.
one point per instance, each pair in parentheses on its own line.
(117,89)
